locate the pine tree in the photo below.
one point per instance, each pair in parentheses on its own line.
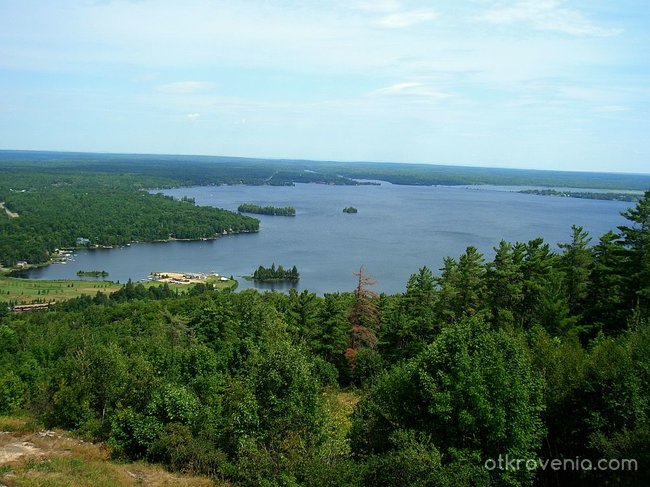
(636,239)
(606,291)
(462,286)
(504,279)
(576,262)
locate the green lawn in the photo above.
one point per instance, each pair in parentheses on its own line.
(25,291)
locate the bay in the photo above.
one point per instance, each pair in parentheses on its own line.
(397,230)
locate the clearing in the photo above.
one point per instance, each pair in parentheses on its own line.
(30,456)
(9,213)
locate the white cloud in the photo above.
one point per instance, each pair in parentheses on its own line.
(549,15)
(193,116)
(413,89)
(185,87)
(400,20)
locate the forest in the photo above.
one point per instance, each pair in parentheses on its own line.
(58,210)
(187,170)
(267,210)
(533,354)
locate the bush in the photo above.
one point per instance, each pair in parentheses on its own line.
(11,393)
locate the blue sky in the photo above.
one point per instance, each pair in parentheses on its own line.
(546,84)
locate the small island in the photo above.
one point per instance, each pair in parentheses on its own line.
(92,273)
(267,210)
(350,209)
(272,273)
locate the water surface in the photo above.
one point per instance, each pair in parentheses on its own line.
(397,230)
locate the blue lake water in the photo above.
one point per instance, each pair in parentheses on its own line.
(397,230)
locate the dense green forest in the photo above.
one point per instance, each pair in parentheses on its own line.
(60,209)
(177,170)
(278,273)
(534,354)
(267,210)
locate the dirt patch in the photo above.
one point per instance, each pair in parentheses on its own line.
(15,446)
(54,458)
(15,451)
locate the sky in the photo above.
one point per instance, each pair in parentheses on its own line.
(543,84)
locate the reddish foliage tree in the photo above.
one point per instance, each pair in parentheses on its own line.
(363,317)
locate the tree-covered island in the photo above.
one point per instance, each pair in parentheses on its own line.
(350,209)
(92,273)
(276,274)
(267,210)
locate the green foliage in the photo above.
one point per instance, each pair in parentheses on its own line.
(56,210)
(276,274)
(532,354)
(472,392)
(133,433)
(12,393)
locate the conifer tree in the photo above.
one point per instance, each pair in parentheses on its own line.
(576,262)
(636,239)
(364,316)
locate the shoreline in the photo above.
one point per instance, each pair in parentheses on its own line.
(12,271)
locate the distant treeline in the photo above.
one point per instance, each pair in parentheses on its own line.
(267,210)
(276,274)
(585,195)
(175,170)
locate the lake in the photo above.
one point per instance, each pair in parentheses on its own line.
(397,230)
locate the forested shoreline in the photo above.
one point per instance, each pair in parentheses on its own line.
(532,354)
(590,195)
(80,210)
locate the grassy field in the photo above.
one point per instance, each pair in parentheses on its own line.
(33,457)
(25,291)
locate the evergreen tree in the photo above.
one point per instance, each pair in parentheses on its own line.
(409,322)
(448,285)
(636,239)
(504,283)
(576,262)
(536,267)
(462,285)
(606,293)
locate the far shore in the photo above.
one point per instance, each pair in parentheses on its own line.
(12,271)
